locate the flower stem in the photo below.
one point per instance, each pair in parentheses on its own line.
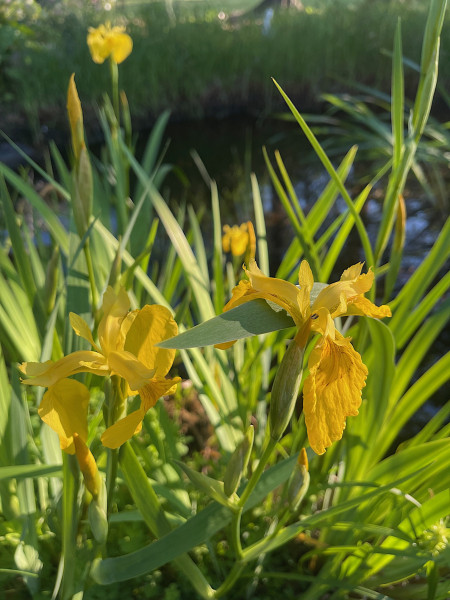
(231,579)
(115,88)
(271,444)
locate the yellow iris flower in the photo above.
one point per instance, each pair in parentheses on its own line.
(105,41)
(127,348)
(239,239)
(332,390)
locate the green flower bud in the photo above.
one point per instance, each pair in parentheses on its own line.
(98,520)
(82,192)
(285,390)
(238,463)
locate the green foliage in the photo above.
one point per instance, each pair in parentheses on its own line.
(375,511)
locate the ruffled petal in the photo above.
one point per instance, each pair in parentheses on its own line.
(48,373)
(64,408)
(332,391)
(156,388)
(151,325)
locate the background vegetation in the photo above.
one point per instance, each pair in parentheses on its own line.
(200,57)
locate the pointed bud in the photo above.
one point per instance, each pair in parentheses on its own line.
(98,520)
(75,117)
(285,390)
(299,484)
(82,192)
(238,463)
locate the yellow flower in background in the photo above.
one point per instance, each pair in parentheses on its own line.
(106,41)
(127,348)
(332,390)
(239,240)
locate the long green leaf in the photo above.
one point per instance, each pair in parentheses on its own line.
(194,532)
(251,318)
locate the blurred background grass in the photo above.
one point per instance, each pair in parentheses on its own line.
(202,58)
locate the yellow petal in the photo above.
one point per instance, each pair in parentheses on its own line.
(151,325)
(283,293)
(121,46)
(123,430)
(64,409)
(363,306)
(115,308)
(336,295)
(130,368)
(352,272)
(156,388)
(306,282)
(332,391)
(226,239)
(49,372)
(97,47)
(81,328)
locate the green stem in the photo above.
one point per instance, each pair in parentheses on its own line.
(236,532)
(69,525)
(231,579)
(115,88)
(115,410)
(271,444)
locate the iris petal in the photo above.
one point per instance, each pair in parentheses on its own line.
(64,408)
(130,368)
(332,390)
(115,309)
(151,325)
(49,372)
(81,328)
(123,430)
(363,306)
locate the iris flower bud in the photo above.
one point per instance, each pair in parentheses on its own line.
(285,390)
